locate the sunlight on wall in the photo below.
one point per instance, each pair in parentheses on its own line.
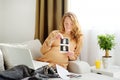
(98,14)
(97,17)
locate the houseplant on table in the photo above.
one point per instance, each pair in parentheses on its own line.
(106,42)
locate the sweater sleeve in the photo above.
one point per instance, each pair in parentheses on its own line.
(77,50)
(48,42)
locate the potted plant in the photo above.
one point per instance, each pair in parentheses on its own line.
(106,42)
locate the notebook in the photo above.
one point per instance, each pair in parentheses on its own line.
(21,56)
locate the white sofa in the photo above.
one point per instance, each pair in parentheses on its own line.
(34,46)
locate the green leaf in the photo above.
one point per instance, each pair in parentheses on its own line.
(106,41)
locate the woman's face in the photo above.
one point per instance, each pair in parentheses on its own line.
(68,24)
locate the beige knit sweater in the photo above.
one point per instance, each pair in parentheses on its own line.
(51,50)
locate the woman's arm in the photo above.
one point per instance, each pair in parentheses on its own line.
(47,45)
(77,50)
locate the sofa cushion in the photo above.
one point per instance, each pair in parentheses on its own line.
(79,67)
(4,45)
(1,61)
(34,46)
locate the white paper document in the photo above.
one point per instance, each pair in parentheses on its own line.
(64,74)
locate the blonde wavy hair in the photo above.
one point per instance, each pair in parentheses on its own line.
(76,30)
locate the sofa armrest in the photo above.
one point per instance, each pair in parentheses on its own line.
(78,67)
(1,61)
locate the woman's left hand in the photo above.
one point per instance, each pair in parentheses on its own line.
(70,53)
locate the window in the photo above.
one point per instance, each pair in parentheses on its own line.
(97,14)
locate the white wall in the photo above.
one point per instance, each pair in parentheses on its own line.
(1,14)
(17,20)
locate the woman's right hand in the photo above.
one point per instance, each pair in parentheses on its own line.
(59,36)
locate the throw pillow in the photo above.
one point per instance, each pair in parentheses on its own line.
(34,46)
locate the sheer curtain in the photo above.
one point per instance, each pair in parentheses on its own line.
(97,17)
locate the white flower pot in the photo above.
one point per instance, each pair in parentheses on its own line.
(106,61)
